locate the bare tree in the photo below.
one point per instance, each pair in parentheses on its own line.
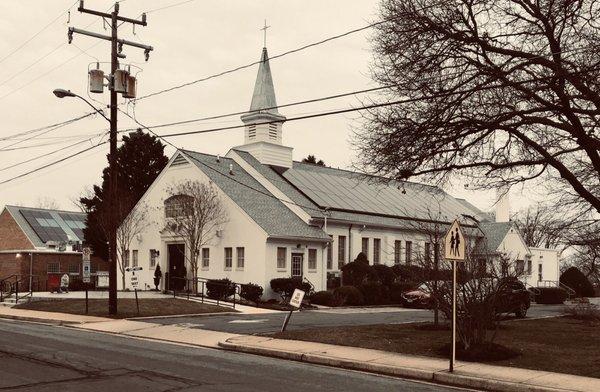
(502,91)
(585,245)
(481,280)
(47,203)
(194,212)
(543,227)
(131,226)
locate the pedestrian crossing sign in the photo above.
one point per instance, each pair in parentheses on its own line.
(454,243)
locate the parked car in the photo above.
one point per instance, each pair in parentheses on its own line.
(419,298)
(513,297)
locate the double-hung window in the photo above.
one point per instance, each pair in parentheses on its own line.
(240,257)
(228,258)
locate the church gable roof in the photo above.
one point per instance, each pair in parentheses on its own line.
(494,233)
(267,211)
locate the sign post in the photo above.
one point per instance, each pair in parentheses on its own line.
(454,249)
(134,283)
(86,272)
(295,301)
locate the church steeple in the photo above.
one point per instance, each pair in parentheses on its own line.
(263,133)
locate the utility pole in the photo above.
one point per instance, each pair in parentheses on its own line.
(116,53)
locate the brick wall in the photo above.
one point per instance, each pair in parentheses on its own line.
(11,264)
(11,235)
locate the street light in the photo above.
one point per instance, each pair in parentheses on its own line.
(62,93)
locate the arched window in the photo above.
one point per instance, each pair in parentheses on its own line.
(177,205)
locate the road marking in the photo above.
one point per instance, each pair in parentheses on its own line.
(247,321)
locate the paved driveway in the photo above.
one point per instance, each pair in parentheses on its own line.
(265,323)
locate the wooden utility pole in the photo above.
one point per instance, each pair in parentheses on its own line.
(116,48)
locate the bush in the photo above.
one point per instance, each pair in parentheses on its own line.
(219,288)
(348,295)
(374,293)
(251,292)
(584,310)
(355,272)
(286,286)
(396,290)
(384,274)
(550,295)
(576,280)
(322,298)
(408,273)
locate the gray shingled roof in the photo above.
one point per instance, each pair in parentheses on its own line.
(269,213)
(494,233)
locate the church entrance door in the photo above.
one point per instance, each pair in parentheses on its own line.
(177,273)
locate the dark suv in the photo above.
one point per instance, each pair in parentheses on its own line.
(513,297)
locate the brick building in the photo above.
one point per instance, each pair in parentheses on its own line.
(36,245)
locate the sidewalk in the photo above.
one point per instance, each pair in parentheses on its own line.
(47,317)
(466,374)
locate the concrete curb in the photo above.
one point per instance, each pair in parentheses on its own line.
(39,320)
(439,377)
(182,316)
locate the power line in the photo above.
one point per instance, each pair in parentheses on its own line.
(22,133)
(53,163)
(38,33)
(238,113)
(47,130)
(47,154)
(325,40)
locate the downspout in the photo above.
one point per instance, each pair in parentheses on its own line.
(350,243)
(324,257)
(30,274)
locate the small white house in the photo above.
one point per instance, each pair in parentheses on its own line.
(287,218)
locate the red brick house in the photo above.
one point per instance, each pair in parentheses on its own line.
(36,244)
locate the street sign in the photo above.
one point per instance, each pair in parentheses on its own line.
(102,279)
(86,264)
(454,243)
(134,281)
(297,298)
(454,249)
(87,253)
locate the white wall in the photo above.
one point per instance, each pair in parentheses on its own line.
(239,231)
(549,260)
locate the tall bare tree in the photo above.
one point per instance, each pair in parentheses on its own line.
(542,227)
(503,91)
(194,212)
(131,226)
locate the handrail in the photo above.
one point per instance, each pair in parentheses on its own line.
(568,289)
(4,282)
(202,293)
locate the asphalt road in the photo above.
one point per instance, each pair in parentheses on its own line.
(266,323)
(37,357)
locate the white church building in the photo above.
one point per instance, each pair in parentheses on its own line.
(287,218)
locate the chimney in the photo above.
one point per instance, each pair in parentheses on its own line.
(503,205)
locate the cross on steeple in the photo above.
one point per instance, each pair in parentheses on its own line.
(264,29)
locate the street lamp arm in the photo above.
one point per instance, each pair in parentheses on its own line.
(62,93)
(100,112)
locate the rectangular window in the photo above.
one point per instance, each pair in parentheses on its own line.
(153,257)
(376,250)
(408,256)
(427,251)
(281,258)
(126,259)
(228,258)
(540,274)
(312,259)
(73,269)
(205,257)
(520,267)
(134,258)
(529,267)
(365,246)
(53,268)
(330,254)
(240,256)
(397,251)
(341,249)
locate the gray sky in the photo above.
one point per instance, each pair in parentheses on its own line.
(191,41)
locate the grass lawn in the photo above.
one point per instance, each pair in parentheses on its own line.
(560,344)
(126,307)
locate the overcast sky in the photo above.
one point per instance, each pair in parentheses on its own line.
(191,41)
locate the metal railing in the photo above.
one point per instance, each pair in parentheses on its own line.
(199,288)
(13,283)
